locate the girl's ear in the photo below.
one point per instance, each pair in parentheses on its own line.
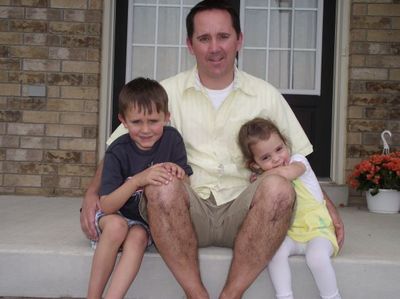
(122,119)
(167,118)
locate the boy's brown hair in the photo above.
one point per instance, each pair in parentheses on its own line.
(142,93)
(253,131)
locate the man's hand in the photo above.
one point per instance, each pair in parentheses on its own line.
(90,205)
(337,221)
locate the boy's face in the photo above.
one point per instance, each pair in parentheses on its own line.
(271,153)
(145,128)
(214,44)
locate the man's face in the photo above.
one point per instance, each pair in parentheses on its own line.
(214,44)
(145,128)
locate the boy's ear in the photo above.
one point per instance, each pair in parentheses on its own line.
(122,119)
(167,117)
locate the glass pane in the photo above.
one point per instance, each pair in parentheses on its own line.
(305,29)
(144,2)
(257,3)
(168,25)
(187,60)
(169,1)
(144,25)
(256,20)
(306,3)
(281,3)
(143,62)
(304,70)
(254,62)
(165,70)
(279,69)
(281,27)
(190,2)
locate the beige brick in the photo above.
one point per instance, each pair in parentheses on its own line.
(39,39)
(53,91)
(3,128)
(32,103)
(85,182)
(24,155)
(81,41)
(65,105)
(39,142)
(93,29)
(9,64)
(91,80)
(23,180)
(10,38)
(354,138)
(89,132)
(355,112)
(10,89)
(357,60)
(57,156)
(358,34)
(65,79)
(394,74)
(376,113)
(371,22)
(384,9)
(78,144)
(369,73)
(79,92)
(29,52)
(91,106)
(28,26)
(79,170)
(67,28)
(95,4)
(396,23)
(35,191)
(37,168)
(67,53)
(64,130)
(41,65)
(35,3)
(9,141)
(68,4)
(41,117)
(89,158)
(78,118)
(74,15)
(383,35)
(10,116)
(7,12)
(93,54)
(366,125)
(50,181)
(383,87)
(44,14)
(69,182)
(359,9)
(80,67)
(27,77)
(25,129)
(389,61)
(69,192)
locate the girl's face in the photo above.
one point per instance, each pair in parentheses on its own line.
(271,153)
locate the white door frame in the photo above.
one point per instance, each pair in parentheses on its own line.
(340,89)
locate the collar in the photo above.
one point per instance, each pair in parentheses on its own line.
(240,82)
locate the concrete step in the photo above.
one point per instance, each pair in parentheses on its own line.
(44,254)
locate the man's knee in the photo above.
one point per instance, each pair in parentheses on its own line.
(276,192)
(166,196)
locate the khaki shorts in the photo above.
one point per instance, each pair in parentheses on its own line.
(215,225)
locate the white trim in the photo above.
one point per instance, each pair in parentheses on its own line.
(106,75)
(340,92)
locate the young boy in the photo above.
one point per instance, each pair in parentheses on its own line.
(150,153)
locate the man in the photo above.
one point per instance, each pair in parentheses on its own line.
(208,105)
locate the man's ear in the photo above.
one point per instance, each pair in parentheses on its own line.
(122,119)
(189,45)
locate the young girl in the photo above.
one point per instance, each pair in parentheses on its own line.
(311,234)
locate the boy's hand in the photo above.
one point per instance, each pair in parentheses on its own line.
(174,169)
(154,175)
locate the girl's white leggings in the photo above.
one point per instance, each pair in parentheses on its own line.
(317,252)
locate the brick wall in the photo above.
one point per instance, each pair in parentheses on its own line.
(49,93)
(374,75)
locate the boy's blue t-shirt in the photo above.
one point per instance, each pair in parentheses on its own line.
(124,159)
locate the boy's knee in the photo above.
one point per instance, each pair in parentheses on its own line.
(115,228)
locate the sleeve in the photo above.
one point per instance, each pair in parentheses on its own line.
(179,155)
(119,131)
(112,176)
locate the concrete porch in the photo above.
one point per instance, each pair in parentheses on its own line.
(44,254)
